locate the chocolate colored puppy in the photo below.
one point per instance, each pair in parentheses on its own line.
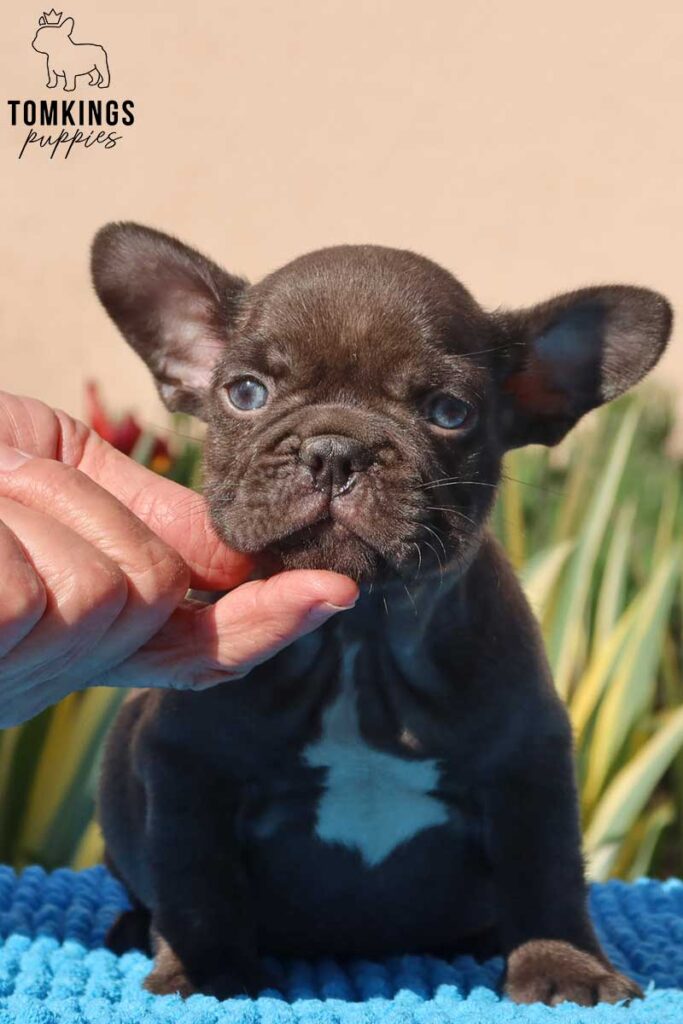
(400,781)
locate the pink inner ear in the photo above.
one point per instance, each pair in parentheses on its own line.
(41,20)
(533,391)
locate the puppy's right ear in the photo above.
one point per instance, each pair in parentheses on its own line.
(174,307)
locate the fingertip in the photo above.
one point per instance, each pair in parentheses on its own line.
(318,586)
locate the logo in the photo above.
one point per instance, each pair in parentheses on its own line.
(67,59)
(64,126)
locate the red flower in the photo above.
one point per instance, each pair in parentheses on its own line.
(122,434)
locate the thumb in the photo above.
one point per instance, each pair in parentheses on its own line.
(201,646)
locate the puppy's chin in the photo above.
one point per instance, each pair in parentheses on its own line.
(330,546)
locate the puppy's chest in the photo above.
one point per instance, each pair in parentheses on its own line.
(363,798)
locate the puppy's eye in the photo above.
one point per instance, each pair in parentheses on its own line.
(448,413)
(247,394)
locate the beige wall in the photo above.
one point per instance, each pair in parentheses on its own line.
(529,146)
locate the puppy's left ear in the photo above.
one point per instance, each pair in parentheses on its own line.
(566,356)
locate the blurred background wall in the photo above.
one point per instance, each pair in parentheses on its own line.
(529,146)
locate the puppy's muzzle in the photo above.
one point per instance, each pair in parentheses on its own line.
(334,462)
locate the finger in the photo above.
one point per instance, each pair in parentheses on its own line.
(22,595)
(253,623)
(20,705)
(199,647)
(175,513)
(35,428)
(156,576)
(84,594)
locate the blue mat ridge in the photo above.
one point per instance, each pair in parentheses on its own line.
(54,969)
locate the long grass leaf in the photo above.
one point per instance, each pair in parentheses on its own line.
(651,831)
(595,680)
(572,602)
(45,793)
(90,849)
(541,573)
(632,688)
(511,503)
(666,524)
(613,583)
(629,791)
(580,474)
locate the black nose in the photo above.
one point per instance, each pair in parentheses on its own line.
(334,461)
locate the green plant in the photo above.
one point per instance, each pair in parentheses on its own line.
(603,568)
(593,528)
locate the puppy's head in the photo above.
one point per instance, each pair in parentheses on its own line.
(359,401)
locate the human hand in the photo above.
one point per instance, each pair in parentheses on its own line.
(96,556)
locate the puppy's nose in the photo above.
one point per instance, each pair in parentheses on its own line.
(334,461)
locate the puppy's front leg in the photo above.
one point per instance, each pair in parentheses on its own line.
(203,931)
(553,953)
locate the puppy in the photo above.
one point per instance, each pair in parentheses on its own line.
(400,781)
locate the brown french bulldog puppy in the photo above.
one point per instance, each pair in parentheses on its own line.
(400,781)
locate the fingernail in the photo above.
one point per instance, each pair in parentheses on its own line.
(11,458)
(324,610)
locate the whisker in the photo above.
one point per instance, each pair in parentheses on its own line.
(435,534)
(411,599)
(149,425)
(436,554)
(449,510)
(419,558)
(447,480)
(497,348)
(453,481)
(528,483)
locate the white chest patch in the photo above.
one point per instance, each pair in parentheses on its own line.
(373,801)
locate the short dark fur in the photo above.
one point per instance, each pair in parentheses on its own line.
(208,808)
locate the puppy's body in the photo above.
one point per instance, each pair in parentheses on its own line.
(354,776)
(401,780)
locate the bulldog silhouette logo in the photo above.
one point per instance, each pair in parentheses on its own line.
(67,59)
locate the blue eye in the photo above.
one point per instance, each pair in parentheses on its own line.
(448,412)
(247,394)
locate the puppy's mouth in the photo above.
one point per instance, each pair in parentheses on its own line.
(332,540)
(328,525)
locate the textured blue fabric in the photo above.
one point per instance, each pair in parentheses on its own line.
(54,970)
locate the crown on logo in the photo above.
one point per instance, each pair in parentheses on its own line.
(52,17)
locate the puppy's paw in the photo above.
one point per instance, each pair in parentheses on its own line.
(235,983)
(171,977)
(169,981)
(551,972)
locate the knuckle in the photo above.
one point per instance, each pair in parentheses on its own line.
(23,602)
(163,569)
(103,588)
(58,476)
(46,482)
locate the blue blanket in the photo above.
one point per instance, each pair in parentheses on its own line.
(54,969)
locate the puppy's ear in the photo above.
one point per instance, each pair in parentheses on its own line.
(571,354)
(67,26)
(175,307)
